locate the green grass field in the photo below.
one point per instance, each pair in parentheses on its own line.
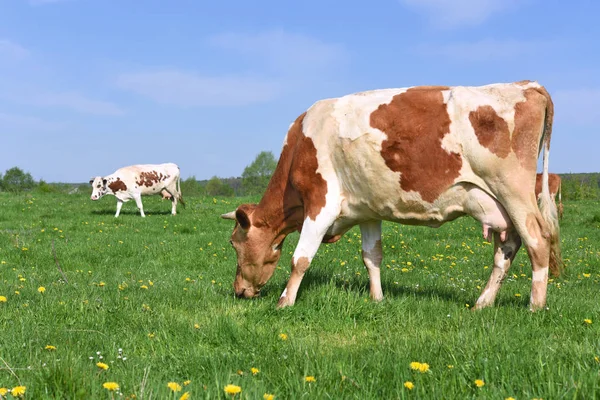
(160,289)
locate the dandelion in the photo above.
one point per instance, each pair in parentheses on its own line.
(41,289)
(101,365)
(50,347)
(587,321)
(18,391)
(517,294)
(110,386)
(232,389)
(268,396)
(450,366)
(409,385)
(187,382)
(101,284)
(174,386)
(310,379)
(143,287)
(283,336)
(3,299)
(196,326)
(151,335)
(240,372)
(587,275)
(254,371)
(479,383)
(185,396)
(509,398)
(421,367)
(3,391)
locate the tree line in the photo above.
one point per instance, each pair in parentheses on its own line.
(254,181)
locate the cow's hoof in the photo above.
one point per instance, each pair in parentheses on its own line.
(284,301)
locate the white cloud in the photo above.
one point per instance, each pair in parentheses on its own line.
(12,50)
(577,106)
(283,52)
(192,90)
(15,121)
(456,13)
(488,49)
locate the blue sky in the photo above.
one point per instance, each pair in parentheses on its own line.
(88,86)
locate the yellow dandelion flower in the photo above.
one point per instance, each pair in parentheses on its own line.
(110,386)
(404,270)
(587,321)
(232,389)
(479,383)
(450,366)
(283,336)
(409,385)
(587,275)
(101,284)
(196,326)
(3,391)
(509,398)
(41,289)
(143,287)
(187,382)
(310,379)
(151,335)
(254,371)
(185,396)
(517,294)
(50,347)
(18,391)
(3,299)
(101,365)
(174,386)
(268,396)
(240,372)
(424,367)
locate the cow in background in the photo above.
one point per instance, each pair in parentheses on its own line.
(421,156)
(554,185)
(136,181)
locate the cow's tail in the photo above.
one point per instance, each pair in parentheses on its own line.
(560,204)
(179,195)
(546,204)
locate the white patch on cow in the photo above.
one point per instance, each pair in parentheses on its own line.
(541,275)
(284,293)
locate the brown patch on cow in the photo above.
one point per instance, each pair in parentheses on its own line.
(150,178)
(331,238)
(300,266)
(529,121)
(415,123)
(524,82)
(491,130)
(117,185)
(553,184)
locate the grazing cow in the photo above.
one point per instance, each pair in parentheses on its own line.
(136,181)
(554,186)
(420,156)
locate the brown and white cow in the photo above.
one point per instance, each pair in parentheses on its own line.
(554,186)
(136,181)
(420,156)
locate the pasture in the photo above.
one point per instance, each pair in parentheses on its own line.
(160,289)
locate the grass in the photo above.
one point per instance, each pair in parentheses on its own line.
(160,289)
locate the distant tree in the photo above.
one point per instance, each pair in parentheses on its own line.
(256,176)
(191,186)
(16,180)
(216,187)
(1,183)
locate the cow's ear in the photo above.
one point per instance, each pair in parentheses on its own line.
(243,219)
(91,181)
(104,181)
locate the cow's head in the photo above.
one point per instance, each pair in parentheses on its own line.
(99,187)
(258,248)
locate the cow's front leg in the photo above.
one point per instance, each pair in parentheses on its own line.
(372,255)
(310,239)
(119,205)
(138,202)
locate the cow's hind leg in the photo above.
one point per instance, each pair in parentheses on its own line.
(372,256)
(138,202)
(119,205)
(504,254)
(310,239)
(172,190)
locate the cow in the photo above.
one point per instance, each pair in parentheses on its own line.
(136,181)
(555,186)
(422,155)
